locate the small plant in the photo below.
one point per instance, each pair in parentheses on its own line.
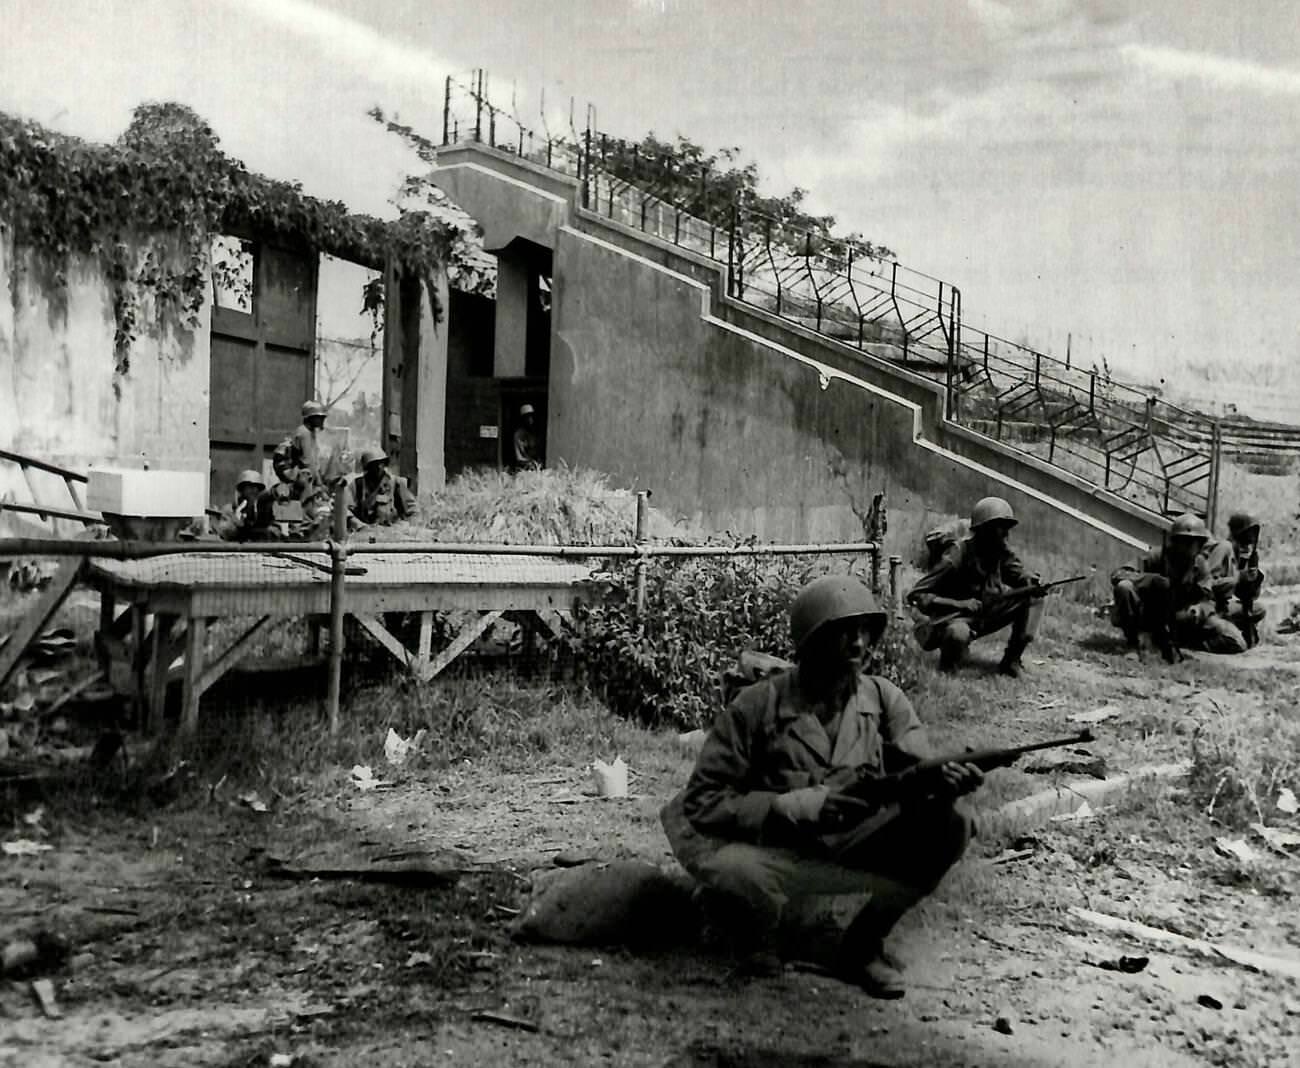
(1237,772)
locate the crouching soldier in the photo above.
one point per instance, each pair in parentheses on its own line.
(377,497)
(967,593)
(1235,577)
(1168,595)
(764,818)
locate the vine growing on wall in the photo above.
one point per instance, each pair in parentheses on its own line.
(148,206)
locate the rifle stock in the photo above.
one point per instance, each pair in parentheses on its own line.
(1036,589)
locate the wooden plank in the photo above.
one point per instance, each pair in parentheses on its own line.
(139,662)
(459,644)
(194,642)
(426,636)
(372,626)
(32,624)
(159,662)
(230,657)
(378,600)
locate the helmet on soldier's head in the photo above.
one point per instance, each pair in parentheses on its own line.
(1189,525)
(312,409)
(827,600)
(992,510)
(372,456)
(526,409)
(1241,522)
(250,477)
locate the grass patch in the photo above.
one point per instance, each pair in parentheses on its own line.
(1240,764)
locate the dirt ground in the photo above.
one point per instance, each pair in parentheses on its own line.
(187,949)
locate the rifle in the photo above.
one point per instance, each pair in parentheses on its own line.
(869,791)
(1017,593)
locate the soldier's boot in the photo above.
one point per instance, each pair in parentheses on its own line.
(1011,664)
(863,959)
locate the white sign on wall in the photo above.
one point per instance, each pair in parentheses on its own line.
(488,431)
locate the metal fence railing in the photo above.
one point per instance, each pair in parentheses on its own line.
(1124,439)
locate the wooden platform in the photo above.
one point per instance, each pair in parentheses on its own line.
(155,612)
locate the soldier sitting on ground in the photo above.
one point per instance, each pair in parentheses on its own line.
(1168,595)
(965,595)
(1235,577)
(379,498)
(764,820)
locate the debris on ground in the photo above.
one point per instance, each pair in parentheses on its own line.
(397,749)
(1067,762)
(363,778)
(1238,850)
(1002,1025)
(406,871)
(1278,839)
(25,847)
(1083,812)
(44,991)
(1286,801)
(253,800)
(1127,965)
(1209,1001)
(1097,715)
(504,1020)
(610,779)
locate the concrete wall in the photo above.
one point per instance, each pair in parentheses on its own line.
(745,422)
(60,399)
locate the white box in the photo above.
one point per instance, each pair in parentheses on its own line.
(121,491)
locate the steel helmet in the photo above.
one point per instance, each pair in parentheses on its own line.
(372,456)
(250,476)
(312,408)
(1189,525)
(526,409)
(991,510)
(827,599)
(1242,522)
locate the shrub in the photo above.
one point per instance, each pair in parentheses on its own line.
(700,613)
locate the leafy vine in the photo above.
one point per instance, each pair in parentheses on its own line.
(148,205)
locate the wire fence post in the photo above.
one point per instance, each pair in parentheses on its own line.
(1216,456)
(338,561)
(895,596)
(446,112)
(876,526)
(642,535)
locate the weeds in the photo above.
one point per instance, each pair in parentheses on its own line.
(1240,765)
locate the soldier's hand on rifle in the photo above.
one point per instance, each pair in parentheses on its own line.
(961,778)
(973,605)
(803,805)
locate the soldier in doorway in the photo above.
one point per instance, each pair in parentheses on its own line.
(971,592)
(763,820)
(1169,596)
(524,443)
(379,498)
(1235,577)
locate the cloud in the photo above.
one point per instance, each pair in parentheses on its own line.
(364,49)
(1218,70)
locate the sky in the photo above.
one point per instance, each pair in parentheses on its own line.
(1121,173)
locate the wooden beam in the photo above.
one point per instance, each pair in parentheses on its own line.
(459,644)
(230,657)
(194,649)
(376,629)
(31,625)
(426,635)
(159,663)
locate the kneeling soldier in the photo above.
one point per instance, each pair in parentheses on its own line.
(1169,595)
(379,498)
(763,818)
(965,594)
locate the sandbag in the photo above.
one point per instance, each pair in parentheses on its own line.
(618,902)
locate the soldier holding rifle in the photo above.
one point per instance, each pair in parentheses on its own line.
(819,780)
(1235,577)
(979,586)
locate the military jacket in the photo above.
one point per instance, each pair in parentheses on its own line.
(960,574)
